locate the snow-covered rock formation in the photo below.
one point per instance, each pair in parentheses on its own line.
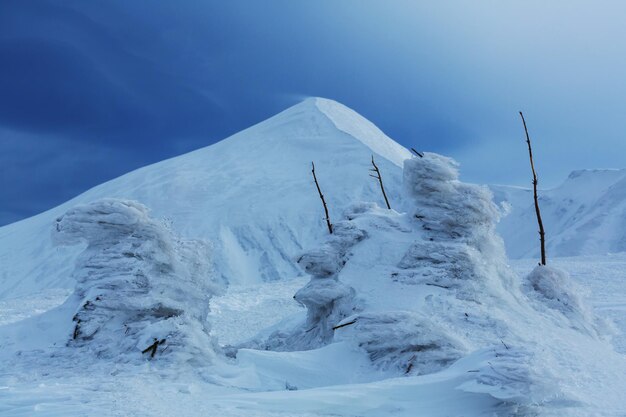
(137,284)
(327,299)
(423,292)
(552,289)
(418,291)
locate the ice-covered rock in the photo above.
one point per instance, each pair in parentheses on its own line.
(404,342)
(444,253)
(137,283)
(553,289)
(458,248)
(447,208)
(418,291)
(327,300)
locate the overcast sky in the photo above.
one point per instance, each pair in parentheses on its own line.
(90,90)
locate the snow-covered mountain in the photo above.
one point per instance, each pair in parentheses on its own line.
(410,311)
(251,194)
(586,215)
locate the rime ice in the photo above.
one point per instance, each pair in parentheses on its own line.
(137,282)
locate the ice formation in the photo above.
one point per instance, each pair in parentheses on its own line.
(418,291)
(327,299)
(553,289)
(423,292)
(458,248)
(137,284)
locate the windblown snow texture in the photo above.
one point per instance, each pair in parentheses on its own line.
(553,289)
(457,222)
(327,299)
(406,312)
(137,283)
(437,290)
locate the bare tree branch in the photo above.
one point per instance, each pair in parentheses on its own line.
(344,325)
(380,180)
(328,223)
(153,347)
(542,234)
(421,155)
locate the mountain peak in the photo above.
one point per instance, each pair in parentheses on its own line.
(322,116)
(357,126)
(251,194)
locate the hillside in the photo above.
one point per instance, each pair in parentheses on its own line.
(252,195)
(209,284)
(586,215)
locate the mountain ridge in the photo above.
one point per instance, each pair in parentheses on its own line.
(251,194)
(585,215)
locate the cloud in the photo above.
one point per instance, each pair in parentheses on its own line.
(151,79)
(37,173)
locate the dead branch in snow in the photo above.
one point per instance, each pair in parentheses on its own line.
(328,223)
(542,234)
(380,181)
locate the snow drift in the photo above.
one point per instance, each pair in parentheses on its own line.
(137,283)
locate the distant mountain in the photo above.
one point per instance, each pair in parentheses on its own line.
(586,215)
(252,195)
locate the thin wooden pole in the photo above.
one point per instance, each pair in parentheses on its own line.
(542,234)
(328,223)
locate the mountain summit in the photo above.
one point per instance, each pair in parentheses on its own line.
(252,195)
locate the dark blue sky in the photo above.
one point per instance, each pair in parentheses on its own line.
(92,89)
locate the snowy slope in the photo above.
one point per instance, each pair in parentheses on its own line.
(586,215)
(251,195)
(421,290)
(433,322)
(406,312)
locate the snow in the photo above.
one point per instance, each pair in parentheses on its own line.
(554,289)
(353,124)
(252,195)
(136,283)
(582,216)
(20,308)
(412,311)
